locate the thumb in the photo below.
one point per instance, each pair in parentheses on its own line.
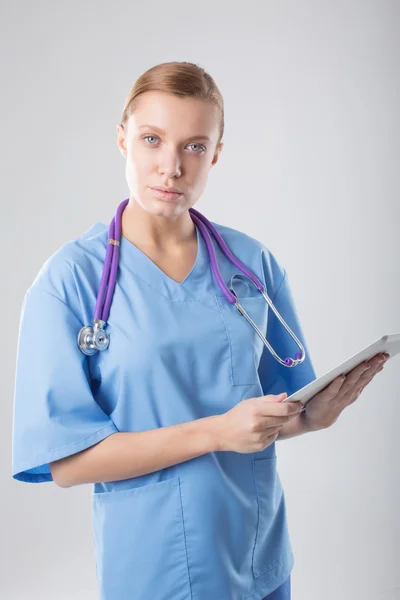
(278,397)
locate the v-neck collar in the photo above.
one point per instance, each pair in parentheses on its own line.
(190,289)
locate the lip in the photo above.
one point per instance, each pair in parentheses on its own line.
(164,188)
(163,195)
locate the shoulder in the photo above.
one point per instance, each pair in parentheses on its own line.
(71,265)
(255,254)
(235,236)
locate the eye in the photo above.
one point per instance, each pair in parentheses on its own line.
(201,146)
(149,136)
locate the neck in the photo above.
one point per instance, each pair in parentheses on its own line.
(156,231)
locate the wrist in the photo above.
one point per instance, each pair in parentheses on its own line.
(307,423)
(214,432)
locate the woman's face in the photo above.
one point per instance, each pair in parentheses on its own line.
(164,143)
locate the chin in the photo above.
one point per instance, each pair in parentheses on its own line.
(159,208)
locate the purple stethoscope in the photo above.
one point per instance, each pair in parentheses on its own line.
(94,338)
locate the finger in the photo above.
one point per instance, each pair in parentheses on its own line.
(331,394)
(360,389)
(277,421)
(273,409)
(381,355)
(353,393)
(353,376)
(372,363)
(372,371)
(378,359)
(335,386)
(369,374)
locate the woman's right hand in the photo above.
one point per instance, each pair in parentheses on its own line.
(253,424)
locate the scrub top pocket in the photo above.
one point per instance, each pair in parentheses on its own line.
(245,345)
(139,542)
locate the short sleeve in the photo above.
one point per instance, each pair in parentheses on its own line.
(274,377)
(54,414)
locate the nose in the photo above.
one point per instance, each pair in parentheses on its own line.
(170,165)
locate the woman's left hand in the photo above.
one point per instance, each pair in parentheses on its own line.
(326,406)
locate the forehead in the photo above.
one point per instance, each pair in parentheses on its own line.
(174,115)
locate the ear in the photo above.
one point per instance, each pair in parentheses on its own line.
(216,155)
(121,139)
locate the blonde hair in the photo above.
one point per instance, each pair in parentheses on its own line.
(183,79)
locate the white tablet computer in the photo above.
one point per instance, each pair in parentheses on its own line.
(388,343)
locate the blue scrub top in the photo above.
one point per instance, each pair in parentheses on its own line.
(212,527)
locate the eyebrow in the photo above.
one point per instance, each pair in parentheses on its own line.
(198,137)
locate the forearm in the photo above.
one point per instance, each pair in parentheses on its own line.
(296,426)
(123,455)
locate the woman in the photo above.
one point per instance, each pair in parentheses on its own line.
(175,422)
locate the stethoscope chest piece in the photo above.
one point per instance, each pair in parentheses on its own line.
(92,339)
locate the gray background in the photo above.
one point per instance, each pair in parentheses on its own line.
(310,167)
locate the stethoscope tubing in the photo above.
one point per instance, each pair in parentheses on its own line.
(91,339)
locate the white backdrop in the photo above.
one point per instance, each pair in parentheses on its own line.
(310,167)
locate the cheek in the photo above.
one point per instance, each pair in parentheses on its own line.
(201,179)
(136,172)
